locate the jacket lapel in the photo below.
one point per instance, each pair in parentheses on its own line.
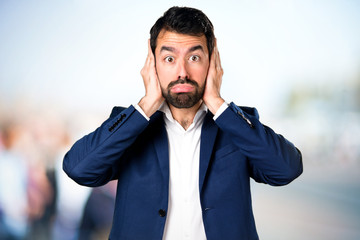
(161,144)
(208,136)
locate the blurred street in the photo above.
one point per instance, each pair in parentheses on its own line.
(324,205)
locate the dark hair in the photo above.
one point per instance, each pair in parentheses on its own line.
(184,20)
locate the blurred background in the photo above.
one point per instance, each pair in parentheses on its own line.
(65,64)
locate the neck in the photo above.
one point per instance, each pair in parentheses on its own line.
(185,116)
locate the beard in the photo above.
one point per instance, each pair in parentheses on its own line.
(183,100)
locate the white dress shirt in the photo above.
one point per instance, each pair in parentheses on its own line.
(184,215)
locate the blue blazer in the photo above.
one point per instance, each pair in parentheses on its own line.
(234,148)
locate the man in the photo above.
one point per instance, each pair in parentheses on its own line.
(183,157)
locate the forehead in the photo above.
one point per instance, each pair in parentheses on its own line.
(180,41)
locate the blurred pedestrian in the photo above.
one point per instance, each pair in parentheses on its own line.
(13,187)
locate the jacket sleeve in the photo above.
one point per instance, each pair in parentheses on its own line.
(272,159)
(93,160)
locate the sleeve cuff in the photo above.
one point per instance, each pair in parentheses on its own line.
(139,109)
(221,109)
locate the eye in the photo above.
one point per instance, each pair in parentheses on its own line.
(194,58)
(169,59)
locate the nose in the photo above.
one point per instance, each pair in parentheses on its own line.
(182,70)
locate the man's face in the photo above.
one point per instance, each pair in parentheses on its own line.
(182,63)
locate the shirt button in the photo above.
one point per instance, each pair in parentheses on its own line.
(162,213)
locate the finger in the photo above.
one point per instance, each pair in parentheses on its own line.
(150,53)
(212,59)
(149,47)
(215,51)
(147,60)
(218,55)
(215,59)
(218,60)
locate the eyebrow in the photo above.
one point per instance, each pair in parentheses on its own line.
(197,47)
(172,49)
(166,48)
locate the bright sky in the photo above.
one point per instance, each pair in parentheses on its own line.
(88,53)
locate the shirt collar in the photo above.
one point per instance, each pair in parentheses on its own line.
(199,116)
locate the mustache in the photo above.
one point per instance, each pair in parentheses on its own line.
(183,81)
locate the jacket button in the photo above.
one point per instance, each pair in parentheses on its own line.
(162,213)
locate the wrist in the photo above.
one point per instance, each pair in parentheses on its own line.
(149,105)
(214,104)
